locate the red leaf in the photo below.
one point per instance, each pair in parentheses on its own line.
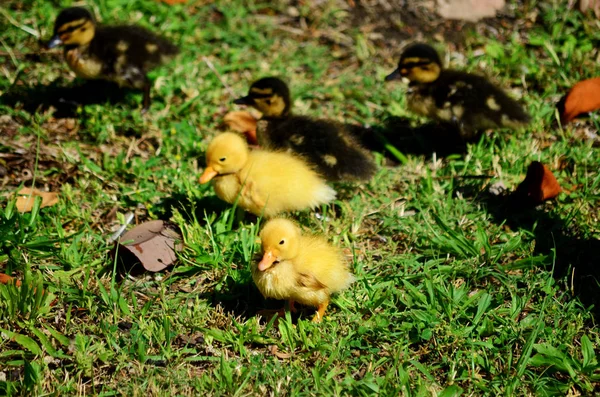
(538,186)
(244,122)
(5,279)
(584,97)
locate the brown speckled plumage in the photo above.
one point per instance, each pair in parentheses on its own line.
(328,145)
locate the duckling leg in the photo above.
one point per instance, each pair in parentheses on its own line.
(292,304)
(146,100)
(320,312)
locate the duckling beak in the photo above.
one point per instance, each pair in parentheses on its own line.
(395,75)
(54,42)
(245,100)
(209,173)
(267,261)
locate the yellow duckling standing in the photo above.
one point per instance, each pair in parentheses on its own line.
(123,54)
(328,145)
(264,183)
(467,100)
(299,268)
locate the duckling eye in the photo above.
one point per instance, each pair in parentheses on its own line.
(282,242)
(268,101)
(222,159)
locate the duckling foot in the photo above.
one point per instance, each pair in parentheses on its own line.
(320,312)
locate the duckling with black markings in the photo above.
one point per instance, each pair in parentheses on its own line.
(123,54)
(328,145)
(469,101)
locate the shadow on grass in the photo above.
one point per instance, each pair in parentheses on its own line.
(426,139)
(65,99)
(575,258)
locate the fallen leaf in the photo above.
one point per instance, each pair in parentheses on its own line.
(538,186)
(242,121)
(469,10)
(5,279)
(274,350)
(594,5)
(26,198)
(153,244)
(584,97)
(171,2)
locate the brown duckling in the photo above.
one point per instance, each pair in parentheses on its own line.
(123,54)
(328,145)
(300,268)
(469,101)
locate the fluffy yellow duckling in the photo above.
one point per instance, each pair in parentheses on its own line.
(267,183)
(123,54)
(469,101)
(299,268)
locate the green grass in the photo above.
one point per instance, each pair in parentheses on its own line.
(453,296)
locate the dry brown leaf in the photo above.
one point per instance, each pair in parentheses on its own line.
(469,10)
(584,97)
(26,198)
(153,244)
(594,5)
(275,351)
(171,2)
(5,279)
(539,185)
(242,121)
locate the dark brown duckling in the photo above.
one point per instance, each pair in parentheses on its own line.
(123,54)
(328,145)
(469,101)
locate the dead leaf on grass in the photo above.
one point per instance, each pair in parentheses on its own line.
(469,10)
(244,122)
(594,5)
(26,198)
(5,279)
(153,244)
(274,350)
(584,97)
(539,185)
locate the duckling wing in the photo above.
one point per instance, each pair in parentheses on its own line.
(477,102)
(321,265)
(328,145)
(284,183)
(132,47)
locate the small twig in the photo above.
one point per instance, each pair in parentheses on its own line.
(214,70)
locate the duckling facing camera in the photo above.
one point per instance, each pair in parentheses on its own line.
(263,182)
(469,101)
(122,54)
(328,145)
(299,268)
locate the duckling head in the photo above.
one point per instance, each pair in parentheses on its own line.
(226,154)
(419,63)
(74,27)
(270,96)
(279,239)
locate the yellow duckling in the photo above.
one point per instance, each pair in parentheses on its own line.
(267,183)
(299,268)
(123,54)
(467,100)
(327,144)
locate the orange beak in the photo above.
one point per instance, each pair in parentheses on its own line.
(267,261)
(209,173)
